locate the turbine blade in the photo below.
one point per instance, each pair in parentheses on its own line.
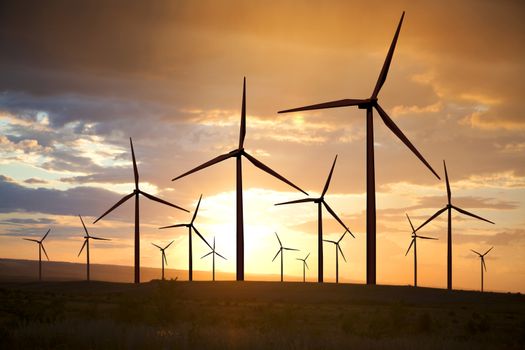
(156,199)
(45,235)
(196,210)
(327,184)
(463,211)
(220,256)
(483,263)
(384,71)
(135,170)
(171,226)
(242,133)
(410,246)
(44,249)
(32,240)
(425,237)
(85,229)
(166,247)
(201,236)
(330,241)
(293,249)
(431,218)
(276,235)
(472,250)
(337,218)
(157,246)
(341,251)
(297,201)
(488,251)
(81,249)
(100,239)
(276,255)
(265,168)
(307,265)
(307,256)
(333,104)
(449,195)
(125,198)
(164,257)
(205,255)
(394,128)
(341,238)
(410,221)
(207,164)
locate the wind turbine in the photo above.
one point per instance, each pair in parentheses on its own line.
(213,253)
(87,237)
(40,249)
(449,208)
(320,202)
(415,236)
(191,226)
(238,154)
(337,250)
(163,256)
(305,266)
(136,192)
(483,266)
(280,251)
(369,104)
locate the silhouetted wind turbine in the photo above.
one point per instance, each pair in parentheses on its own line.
(213,253)
(449,208)
(237,154)
(320,202)
(414,243)
(337,250)
(305,266)
(163,256)
(369,104)
(280,251)
(136,192)
(190,226)
(40,249)
(87,237)
(483,266)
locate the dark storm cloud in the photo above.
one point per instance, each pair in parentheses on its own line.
(85,200)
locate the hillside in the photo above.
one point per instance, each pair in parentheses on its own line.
(255,315)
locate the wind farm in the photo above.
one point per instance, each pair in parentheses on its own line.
(239,276)
(191,227)
(320,203)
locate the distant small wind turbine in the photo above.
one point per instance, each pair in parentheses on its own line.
(238,153)
(40,249)
(213,253)
(280,251)
(136,192)
(483,266)
(369,104)
(414,243)
(320,202)
(305,266)
(163,256)
(449,208)
(191,227)
(337,250)
(87,237)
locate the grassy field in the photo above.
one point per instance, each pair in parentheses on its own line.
(255,315)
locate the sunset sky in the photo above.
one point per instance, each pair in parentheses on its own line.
(79,78)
